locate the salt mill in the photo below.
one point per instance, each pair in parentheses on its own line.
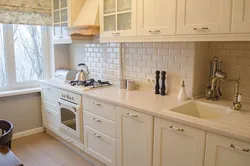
(157,82)
(163,85)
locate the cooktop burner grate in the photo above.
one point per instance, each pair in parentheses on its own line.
(90,83)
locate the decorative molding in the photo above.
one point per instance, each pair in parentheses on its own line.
(28,132)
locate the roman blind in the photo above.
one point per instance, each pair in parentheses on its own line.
(29,12)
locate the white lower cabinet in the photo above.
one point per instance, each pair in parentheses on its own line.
(100,146)
(223,151)
(134,138)
(50,119)
(178,145)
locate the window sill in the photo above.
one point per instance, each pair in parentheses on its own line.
(19,92)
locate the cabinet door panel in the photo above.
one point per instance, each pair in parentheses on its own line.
(134,138)
(223,151)
(156,17)
(178,145)
(204,16)
(118,22)
(241,16)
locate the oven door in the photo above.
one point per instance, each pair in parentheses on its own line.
(69,118)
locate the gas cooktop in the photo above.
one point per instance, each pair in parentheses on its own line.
(91,83)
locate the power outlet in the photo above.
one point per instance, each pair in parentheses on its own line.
(150,81)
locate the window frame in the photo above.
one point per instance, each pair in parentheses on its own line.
(9,54)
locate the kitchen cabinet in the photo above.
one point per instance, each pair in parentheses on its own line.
(118,18)
(49,96)
(223,151)
(156,17)
(178,145)
(100,146)
(204,16)
(241,16)
(50,119)
(50,114)
(100,130)
(64,13)
(134,138)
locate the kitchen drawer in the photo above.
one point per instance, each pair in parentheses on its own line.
(50,119)
(100,146)
(49,95)
(100,108)
(71,141)
(101,124)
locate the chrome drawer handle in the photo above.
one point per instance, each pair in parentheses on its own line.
(116,34)
(97,136)
(70,141)
(176,129)
(238,148)
(199,29)
(132,115)
(97,104)
(155,31)
(97,120)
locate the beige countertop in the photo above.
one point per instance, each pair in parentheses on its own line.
(235,125)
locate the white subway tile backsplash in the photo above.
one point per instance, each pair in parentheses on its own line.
(142,63)
(187,61)
(235,60)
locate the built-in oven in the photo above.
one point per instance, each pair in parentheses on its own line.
(70,113)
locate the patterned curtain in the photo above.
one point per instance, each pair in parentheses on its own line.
(29,12)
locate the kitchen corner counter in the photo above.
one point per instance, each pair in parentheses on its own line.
(236,125)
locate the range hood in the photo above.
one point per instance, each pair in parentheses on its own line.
(88,20)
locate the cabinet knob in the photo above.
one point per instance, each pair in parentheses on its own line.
(239,148)
(176,129)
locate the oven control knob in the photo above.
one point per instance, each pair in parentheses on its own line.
(72,98)
(68,97)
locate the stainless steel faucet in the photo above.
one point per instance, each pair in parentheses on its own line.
(237,97)
(213,91)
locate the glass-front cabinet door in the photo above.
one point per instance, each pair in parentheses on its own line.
(60,18)
(118,18)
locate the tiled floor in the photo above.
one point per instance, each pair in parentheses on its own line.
(43,150)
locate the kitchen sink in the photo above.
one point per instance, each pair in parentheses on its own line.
(202,110)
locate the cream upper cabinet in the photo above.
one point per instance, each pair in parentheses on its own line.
(223,151)
(156,17)
(118,18)
(134,138)
(241,16)
(204,16)
(64,13)
(177,145)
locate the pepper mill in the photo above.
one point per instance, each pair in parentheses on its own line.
(157,82)
(163,85)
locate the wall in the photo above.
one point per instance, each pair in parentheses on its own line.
(24,111)
(141,61)
(183,61)
(236,60)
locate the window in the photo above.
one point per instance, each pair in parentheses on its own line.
(23,55)
(3,74)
